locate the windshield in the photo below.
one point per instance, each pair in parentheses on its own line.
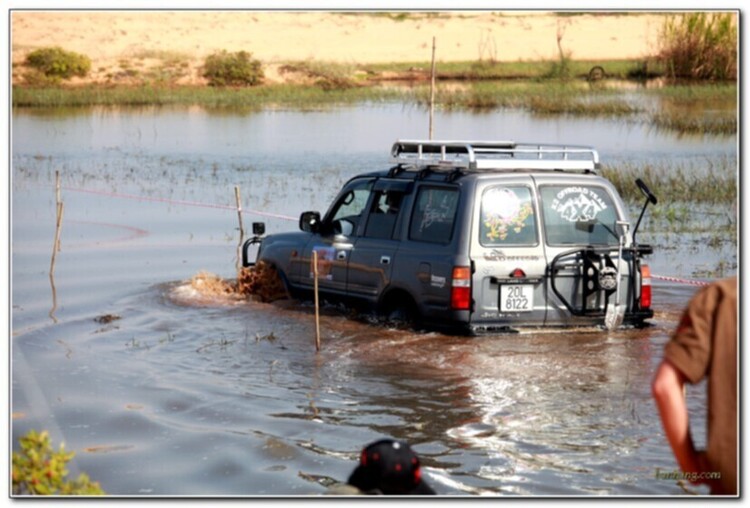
(578,215)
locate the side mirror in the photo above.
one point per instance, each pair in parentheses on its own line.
(309,222)
(259,228)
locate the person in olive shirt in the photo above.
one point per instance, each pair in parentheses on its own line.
(704,345)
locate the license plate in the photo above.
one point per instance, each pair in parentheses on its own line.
(516,298)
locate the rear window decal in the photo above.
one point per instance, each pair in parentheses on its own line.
(578,204)
(440,211)
(434,215)
(505,212)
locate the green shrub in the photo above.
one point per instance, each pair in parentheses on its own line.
(39,470)
(232,69)
(56,63)
(700,45)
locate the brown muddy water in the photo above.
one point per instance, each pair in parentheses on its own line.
(162,390)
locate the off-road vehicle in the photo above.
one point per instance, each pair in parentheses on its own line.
(477,236)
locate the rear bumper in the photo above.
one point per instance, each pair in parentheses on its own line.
(588,324)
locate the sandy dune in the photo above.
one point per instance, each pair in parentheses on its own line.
(120,40)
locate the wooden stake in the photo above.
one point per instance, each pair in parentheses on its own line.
(54,297)
(58,201)
(56,245)
(242,229)
(317,303)
(432,86)
(239,209)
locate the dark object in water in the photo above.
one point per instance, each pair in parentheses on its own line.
(107,318)
(389,467)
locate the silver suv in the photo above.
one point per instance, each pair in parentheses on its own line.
(476,236)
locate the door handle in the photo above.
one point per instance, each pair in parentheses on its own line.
(341,255)
(385,260)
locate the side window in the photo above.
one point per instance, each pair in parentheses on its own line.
(383,214)
(348,210)
(578,215)
(434,215)
(507,217)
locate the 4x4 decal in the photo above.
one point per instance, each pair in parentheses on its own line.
(578,204)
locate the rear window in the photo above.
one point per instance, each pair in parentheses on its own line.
(507,217)
(434,215)
(578,215)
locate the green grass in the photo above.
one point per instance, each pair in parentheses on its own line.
(695,109)
(696,91)
(723,124)
(674,183)
(303,97)
(693,205)
(488,69)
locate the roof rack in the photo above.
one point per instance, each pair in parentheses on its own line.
(491,155)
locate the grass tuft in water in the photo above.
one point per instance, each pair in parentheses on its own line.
(715,184)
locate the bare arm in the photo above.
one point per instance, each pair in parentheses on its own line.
(668,391)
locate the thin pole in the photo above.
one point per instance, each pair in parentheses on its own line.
(58,201)
(317,303)
(432,86)
(242,229)
(56,245)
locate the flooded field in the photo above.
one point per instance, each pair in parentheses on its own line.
(163,391)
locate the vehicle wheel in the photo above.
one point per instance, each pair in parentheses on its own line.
(401,312)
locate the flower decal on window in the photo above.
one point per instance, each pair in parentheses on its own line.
(505,212)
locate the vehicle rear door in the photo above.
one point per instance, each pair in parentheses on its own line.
(507,252)
(579,217)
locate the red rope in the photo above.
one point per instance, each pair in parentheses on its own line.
(283,217)
(680,281)
(179,202)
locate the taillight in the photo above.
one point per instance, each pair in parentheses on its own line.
(645,287)
(461,288)
(518,274)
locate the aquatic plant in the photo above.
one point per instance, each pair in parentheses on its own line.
(555,106)
(39,470)
(700,45)
(690,124)
(676,182)
(539,97)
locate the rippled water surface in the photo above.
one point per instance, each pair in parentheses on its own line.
(177,393)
